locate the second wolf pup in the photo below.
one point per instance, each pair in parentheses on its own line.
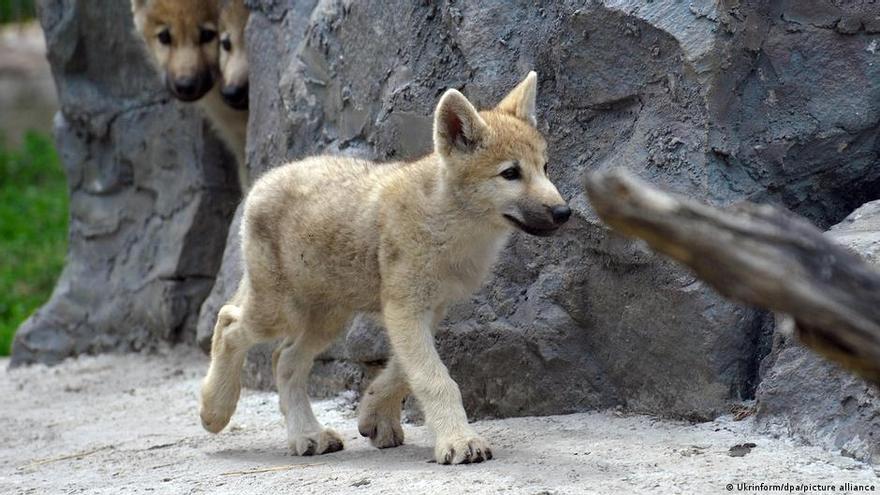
(329,237)
(233,54)
(182,39)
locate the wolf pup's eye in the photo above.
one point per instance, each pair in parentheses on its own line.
(226,43)
(511,173)
(207,36)
(164,37)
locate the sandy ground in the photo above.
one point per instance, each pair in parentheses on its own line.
(128,424)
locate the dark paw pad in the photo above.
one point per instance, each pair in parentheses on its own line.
(334,445)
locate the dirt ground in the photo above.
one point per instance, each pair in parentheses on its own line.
(128,424)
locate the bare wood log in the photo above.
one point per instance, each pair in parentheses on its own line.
(759,255)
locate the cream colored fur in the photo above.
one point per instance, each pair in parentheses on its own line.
(328,237)
(231,126)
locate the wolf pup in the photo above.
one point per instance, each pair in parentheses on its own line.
(328,237)
(235,81)
(233,54)
(181,37)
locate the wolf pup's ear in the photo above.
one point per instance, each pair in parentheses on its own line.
(520,102)
(457,125)
(138,10)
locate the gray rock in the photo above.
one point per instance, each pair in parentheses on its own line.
(581,321)
(719,100)
(812,398)
(151,196)
(331,374)
(365,341)
(225,284)
(730,100)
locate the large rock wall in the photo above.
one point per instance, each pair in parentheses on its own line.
(795,107)
(816,400)
(771,101)
(150,195)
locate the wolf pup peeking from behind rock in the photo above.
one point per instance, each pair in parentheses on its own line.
(233,54)
(182,39)
(328,237)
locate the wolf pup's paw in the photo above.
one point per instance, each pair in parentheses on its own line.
(462,450)
(382,430)
(217,406)
(315,443)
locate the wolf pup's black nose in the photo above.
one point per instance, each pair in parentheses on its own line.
(236,96)
(560,214)
(186,87)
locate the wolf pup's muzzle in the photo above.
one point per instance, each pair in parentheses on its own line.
(544,222)
(236,95)
(191,88)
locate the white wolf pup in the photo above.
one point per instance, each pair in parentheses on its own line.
(329,237)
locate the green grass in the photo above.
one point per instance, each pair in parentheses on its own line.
(33,229)
(16,10)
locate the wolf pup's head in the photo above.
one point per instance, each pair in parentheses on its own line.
(496,161)
(233,55)
(181,36)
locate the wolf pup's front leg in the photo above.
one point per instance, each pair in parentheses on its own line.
(379,410)
(412,340)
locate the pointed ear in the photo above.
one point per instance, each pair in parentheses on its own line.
(521,101)
(457,125)
(138,13)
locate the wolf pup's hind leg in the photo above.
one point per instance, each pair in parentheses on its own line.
(238,329)
(305,435)
(222,385)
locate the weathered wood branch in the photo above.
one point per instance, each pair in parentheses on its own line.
(759,255)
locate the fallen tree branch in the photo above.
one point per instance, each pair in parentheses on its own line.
(759,255)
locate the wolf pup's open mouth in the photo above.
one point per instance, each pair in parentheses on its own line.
(532,230)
